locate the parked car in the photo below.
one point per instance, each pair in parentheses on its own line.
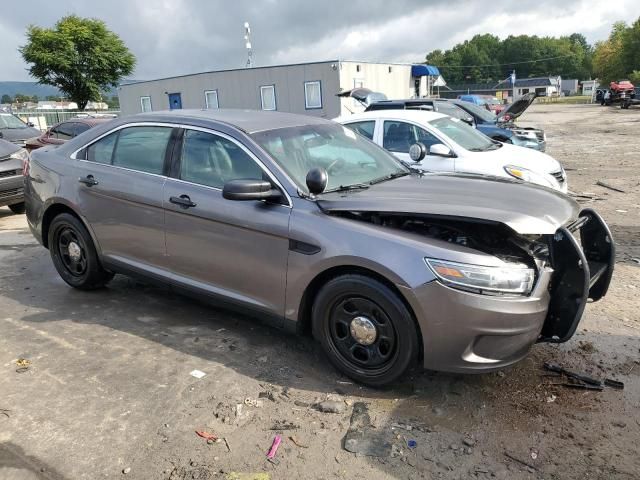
(453,146)
(499,127)
(63,131)
(488,102)
(14,130)
(313,226)
(12,160)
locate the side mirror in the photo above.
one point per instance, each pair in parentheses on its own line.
(440,150)
(417,151)
(468,121)
(31,124)
(316,180)
(249,189)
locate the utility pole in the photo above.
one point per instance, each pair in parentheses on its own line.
(247,44)
(513,86)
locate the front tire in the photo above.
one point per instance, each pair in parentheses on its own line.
(17,208)
(365,329)
(74,254)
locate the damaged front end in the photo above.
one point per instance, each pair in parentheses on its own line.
(580,255)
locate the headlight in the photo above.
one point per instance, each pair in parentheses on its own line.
(514,280)
(23,156)
(529,176)
(528,134)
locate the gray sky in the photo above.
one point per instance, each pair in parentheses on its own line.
(172,37)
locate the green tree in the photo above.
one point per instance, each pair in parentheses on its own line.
(6,99)
(608,62)
(80,56)
(20,98)
(35,99)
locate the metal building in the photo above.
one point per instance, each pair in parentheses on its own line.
(307,88)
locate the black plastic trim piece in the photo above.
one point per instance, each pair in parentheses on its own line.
(302,247)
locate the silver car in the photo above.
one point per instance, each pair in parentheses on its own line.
(318,229)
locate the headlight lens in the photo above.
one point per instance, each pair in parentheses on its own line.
(23,156)
(529,176)
(513,280)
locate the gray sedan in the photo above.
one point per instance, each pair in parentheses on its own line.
(317,229)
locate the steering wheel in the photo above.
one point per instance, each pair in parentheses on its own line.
(338,163)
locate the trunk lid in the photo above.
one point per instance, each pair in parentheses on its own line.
(517,108)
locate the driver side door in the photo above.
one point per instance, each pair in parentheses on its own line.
(236,250)
(397,137)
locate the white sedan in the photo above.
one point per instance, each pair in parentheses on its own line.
(451,145)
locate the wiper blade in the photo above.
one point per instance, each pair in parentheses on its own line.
(346,188)
(391,176)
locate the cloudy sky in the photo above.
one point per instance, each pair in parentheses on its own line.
(172,37)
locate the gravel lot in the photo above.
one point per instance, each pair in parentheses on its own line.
(108,392)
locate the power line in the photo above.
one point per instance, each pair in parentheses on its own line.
(506,64)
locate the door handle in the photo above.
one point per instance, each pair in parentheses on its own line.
(183,200)
(89,181)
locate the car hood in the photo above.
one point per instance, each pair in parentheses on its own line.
(521,157)
(518,107)
(525,208)
(363,95)
(6,149)
(18,135)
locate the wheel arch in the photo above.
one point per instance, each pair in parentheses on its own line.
(53,211)
(311,291)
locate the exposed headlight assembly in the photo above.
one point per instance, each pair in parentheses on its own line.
(506,280)
(529,176)
(23,156)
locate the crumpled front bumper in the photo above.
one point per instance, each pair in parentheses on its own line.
(468,332)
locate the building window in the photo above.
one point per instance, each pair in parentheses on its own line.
(211,99)
(390,69)
(312,94)
(358,68)
(145,104)
(268,97)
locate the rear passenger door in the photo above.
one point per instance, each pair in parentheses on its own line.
(234,249)
(119,184)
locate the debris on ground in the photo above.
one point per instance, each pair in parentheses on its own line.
(274,447)
(609,382)
(297,443)
(515,458)
(247,476)
(197,373)
(362,438)
(610,187)
(577,379)
(251,402)
(126,470)
(284,425)
(206,435)
(412,444)
(23,365)
(5,412)
(330,406)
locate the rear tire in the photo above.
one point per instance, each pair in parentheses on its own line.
(74,254)
(349,308)
(17,208)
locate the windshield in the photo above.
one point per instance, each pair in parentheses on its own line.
(493,101)
(467,137)
(9,121)
(478,112)
(348,158)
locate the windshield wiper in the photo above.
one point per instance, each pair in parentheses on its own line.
(391,176)
(346,188)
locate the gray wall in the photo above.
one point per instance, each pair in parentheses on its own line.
(241,89)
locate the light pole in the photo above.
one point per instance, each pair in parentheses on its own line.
(247,44)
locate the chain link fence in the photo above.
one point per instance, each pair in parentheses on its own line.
(43,119)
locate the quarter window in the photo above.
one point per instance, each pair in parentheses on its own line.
(211,99)
(137,148)
(312,95)
(145,104)
(399,136)
(268,97)
(64,131)
(211,160)
(363,128)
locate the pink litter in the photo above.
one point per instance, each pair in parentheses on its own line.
(274,447)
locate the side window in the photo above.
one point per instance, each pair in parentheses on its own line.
(142,149)
(102,150)
(79,128)
(65,131)
(451,110)
(212,160)
(399,136)
(363,128)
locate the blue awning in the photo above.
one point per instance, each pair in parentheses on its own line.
(422,70)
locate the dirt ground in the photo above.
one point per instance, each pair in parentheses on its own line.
(108,392)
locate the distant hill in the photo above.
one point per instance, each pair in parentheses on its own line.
(42,91)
